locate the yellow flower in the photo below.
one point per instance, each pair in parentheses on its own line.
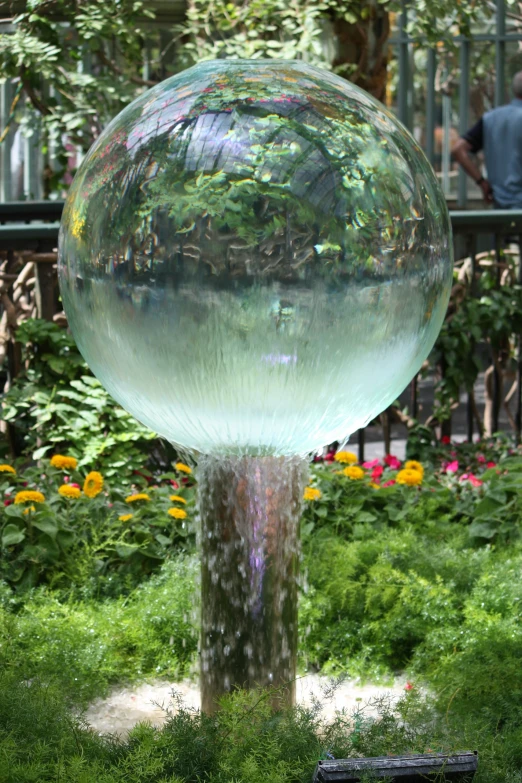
(138,496)
(27,510)
(409,476)
(7,469)
(125,517)
(93,484)
(354,472)
(178,498)
(183,468)
(374,485)
(177,513)
(311,493)
(64,463)
(29,496)
(412,464)
(67,491)
(346,457)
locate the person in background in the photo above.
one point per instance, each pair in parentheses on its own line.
(499,134)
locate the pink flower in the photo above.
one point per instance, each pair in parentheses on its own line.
(377,472)
(409,686)
(476,482)
(464,477)
(481,459)
(452,467)
(110,505)
(330,456)
(370,465)
(445,440)
(174,484)
(491,465)
(389,483)
(66,479)
(76,485)
(392,462)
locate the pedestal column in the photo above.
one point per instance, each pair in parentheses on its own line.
(250,509)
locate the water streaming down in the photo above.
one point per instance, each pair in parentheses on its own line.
(250,509)
(254,258)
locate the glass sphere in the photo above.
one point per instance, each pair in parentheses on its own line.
(255,258)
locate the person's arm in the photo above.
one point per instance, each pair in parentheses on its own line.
(472,143)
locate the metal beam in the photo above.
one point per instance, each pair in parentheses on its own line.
(463,117)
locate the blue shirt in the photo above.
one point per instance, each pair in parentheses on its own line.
(499,133)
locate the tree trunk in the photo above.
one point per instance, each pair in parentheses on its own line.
(362,48)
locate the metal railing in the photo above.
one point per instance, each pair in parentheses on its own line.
(34,226)
(22,161)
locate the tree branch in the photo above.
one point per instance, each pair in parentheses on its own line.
(116,69)
(31,94)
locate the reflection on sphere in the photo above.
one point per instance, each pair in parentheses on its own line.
(255,258)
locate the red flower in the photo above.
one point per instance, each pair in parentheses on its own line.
(174,484)
(491,465)
(409,686)
(481,459)
(389,483)
(392,462)
(185,480)
(377,472)
(76,485)
(370,465)
(330,456)
(452,467)
(7,502)
(445,440)
(476,482)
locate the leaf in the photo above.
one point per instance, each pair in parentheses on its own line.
(481,530)
(46,527)
(41,452)
(486,507)
(161,539)
(12,535)
(126,550)
(14,511)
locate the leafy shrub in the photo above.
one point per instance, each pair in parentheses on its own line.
(247,742)
(68,541)
(56,404)
(87,645)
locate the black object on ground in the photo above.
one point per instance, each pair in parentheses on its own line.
(405,769)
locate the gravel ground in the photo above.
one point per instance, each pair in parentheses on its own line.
(125,707)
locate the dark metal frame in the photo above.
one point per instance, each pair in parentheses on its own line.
(19,231)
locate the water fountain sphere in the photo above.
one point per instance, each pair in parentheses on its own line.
(255,258)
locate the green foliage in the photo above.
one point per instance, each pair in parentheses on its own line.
(492,315)
(92,59)
(57,405)
(72,541)
(87,645)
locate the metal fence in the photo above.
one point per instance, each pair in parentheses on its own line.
(32,227)
(432,109)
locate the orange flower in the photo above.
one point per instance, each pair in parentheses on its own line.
(177,513)
(64,463)
(178,499)
(182,467)
(311,493)
(346,457)
(68,491)
(93,484)
(136,497)
(354,472)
